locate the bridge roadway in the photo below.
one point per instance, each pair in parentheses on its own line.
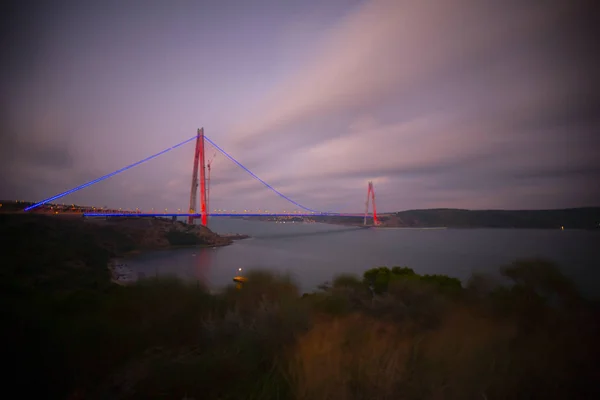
(102,214)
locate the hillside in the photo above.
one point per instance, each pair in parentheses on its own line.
(573,218)
(47,251)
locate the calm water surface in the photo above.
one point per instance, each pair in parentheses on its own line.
(314,253)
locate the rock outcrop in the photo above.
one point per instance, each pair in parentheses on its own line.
(160,233)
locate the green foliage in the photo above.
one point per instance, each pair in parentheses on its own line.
(347,281)
(544,279)
(403,271)
(370,275)
(379,279)
(443,283)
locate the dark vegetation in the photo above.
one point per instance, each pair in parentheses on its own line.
(391,334)
(574,218)
(177,238)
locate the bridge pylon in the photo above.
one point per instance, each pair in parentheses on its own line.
(371,196)
(199,174)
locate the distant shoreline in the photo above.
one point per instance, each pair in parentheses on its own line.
(581,218)
(412,227)
(585,218)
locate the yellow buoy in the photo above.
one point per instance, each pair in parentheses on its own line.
(239,280)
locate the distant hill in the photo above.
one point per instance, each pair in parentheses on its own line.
(571,218)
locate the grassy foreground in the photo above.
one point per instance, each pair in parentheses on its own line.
(69,333)
(391,335)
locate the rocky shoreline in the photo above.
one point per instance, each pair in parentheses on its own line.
(152,234)
(161,233)
(235,236)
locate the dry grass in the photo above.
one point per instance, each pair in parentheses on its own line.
(354,357)
(465,357)
(358,357)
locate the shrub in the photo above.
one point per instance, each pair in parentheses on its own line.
(347,281)
(443,283)
(379,279)
(403,271)
(545,280)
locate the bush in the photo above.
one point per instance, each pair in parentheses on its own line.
(379,279)
(443,283)
(347,281)
(262,286)
(403,271)
(543,279)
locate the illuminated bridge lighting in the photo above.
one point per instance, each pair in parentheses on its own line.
(307,212)
(63,194)
(217,215)
(239,164)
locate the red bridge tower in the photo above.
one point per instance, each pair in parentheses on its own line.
(199,164)
(371,196)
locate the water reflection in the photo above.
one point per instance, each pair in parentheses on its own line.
(201,266)
(313,233)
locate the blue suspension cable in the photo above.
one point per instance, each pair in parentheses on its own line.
(165,151)
(58,196)
(263,182)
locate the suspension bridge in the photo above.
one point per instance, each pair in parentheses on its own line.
(200,184)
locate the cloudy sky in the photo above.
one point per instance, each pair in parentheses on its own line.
(441,103)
